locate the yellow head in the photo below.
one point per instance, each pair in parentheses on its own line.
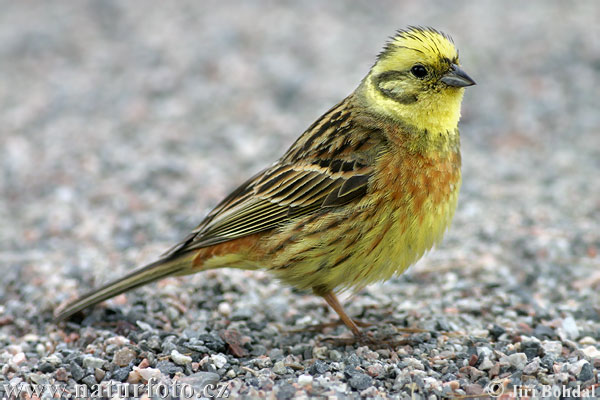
(417,81)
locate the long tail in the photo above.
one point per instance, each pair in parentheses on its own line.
(174,265)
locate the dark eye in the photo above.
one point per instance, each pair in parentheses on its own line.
(418,71)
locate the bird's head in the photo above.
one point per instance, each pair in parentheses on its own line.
(417,80)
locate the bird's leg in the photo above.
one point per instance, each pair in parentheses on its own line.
(333,302)
(359,336)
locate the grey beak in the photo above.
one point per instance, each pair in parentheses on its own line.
(457,77)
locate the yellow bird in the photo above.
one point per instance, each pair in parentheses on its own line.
(364,192)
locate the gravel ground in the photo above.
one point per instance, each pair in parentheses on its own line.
(124,122)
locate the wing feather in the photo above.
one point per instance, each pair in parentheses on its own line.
(319,172)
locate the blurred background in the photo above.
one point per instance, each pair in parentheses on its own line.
(123,123)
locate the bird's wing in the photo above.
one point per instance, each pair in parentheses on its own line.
(329,166)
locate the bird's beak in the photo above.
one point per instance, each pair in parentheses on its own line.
(457,77)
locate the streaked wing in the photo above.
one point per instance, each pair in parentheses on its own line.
(329,166)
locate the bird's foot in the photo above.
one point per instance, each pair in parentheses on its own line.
(374,342)
(327,325)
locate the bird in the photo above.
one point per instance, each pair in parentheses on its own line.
(360,196)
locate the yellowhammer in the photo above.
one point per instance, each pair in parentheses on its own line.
(360,196)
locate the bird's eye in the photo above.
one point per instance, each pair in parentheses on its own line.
(418,71)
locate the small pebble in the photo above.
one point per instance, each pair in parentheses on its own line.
(61,375)
(46,367)
(224,309)
(587,340)
(200,379)
(320,352)
(124,356)
(38,379)
(76,371)
(53,359)
(474,389)
(89,380)
(168,368)
(413,363)
(552,348)
(305,379)
(148,373)
(318,368)
(279,368)
(134,377)
(241,314)
(486,364)
(93,362)
(263,362)
(586,373)
(517,360)
(99,374)
(376,370)
(121,374)
(335,355)
(591,352)
(219,360)
(17,359)
(179,358)
(570,328)
(360,381)
(532,367)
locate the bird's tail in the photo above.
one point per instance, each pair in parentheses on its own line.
(179,264)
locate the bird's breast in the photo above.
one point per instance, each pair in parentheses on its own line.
(418,193)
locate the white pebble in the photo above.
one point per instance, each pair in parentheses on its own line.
(224,309)
(570,328)
(486,364)
(180,359)
(53,359)
(93,362)
(532,367)
(40,349)
(18,359)
(575,368)
(148,373)
(484,351)
(552,347)
(518,360)
(587,340)
(219,360)
(413,362)
(591,352)
(305,379)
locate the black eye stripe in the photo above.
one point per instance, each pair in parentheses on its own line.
(389,76)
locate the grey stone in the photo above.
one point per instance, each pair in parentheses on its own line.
(93,362)
(76,371)
(46,367)
(121,374)
(89,380)
(168,368)
(587,373)
(318,368)
(360,381)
